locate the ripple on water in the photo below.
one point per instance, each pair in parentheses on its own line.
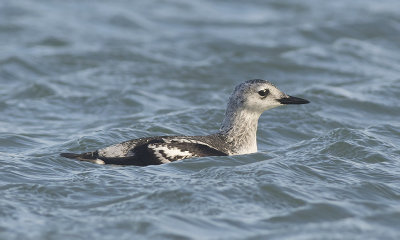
(356,145)
(33,91)
(80,75)
(351,51)
(51,41)
(14,67)
(314,212)
(11,142)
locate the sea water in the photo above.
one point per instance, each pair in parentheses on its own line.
(76,76)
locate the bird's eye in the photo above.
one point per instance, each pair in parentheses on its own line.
(263,93)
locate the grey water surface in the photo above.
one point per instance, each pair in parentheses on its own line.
(79,75)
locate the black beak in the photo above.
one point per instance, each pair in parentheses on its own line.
(293,100)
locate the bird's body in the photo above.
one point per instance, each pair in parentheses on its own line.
(156,150)
(236,136)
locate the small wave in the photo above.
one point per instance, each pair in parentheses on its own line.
(18,68)
(34,91)
(11,141)
(51,42)
(361,58)
(314,212)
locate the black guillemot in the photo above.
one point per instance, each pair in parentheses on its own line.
(236,136)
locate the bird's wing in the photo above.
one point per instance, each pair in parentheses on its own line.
(178,149)
(163,150)
(149,152)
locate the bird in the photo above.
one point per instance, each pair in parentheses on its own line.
(236,136)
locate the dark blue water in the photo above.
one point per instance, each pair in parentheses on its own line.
(80,75)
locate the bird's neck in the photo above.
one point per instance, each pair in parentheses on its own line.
(240,129)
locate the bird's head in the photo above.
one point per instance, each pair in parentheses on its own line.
(260,95)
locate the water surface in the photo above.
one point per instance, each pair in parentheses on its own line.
(80,75)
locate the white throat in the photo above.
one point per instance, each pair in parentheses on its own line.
(240,129)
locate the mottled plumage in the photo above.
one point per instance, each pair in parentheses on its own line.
(237,134)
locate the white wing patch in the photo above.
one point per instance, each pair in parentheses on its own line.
(99,161)
(167,153)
